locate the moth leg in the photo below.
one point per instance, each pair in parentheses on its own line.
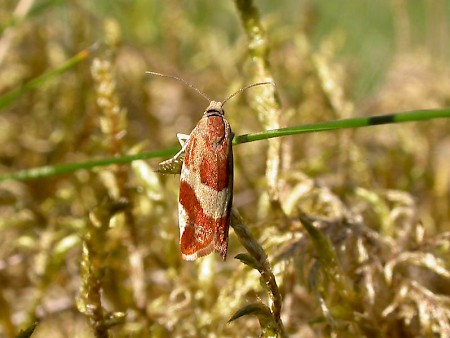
(184,140)
(173,165)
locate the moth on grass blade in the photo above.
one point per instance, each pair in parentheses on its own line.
(206,183)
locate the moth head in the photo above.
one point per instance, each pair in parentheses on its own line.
(215,108)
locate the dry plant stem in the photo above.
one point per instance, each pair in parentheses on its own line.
(332,87)
(267,103)
(257,252)
(93,268)
(93,264)
(113,125)
(92,273)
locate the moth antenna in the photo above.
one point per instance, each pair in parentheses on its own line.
(183,81)
(245,88)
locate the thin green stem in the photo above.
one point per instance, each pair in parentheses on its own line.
(15,94)
(52,170)
(357,122)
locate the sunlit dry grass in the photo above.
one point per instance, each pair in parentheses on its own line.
(347,232)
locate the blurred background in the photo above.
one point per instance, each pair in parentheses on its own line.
(381,193)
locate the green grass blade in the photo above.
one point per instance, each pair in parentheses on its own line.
(52,170)
(15,94)
(417,115)
(357,122)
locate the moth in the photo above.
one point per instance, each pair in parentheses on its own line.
(206,182)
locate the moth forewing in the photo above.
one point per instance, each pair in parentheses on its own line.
(206,187)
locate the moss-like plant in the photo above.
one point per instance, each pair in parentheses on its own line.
(345,223)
